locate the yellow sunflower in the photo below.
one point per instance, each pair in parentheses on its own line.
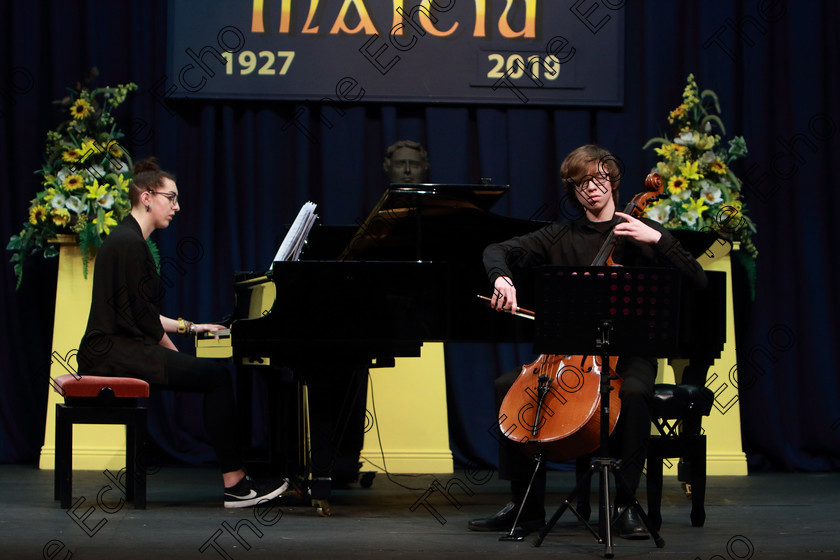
(81,109)
(677,184)
(718,167)
(60,216)
(114,149)
(37,214)
(73,182)
(666,150)
(71,155)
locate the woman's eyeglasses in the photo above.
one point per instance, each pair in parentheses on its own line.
(170,196)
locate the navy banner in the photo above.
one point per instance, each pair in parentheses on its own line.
(560,52)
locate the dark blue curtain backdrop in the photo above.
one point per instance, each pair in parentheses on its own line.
(246,167)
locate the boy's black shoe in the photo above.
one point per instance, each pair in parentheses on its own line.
(629,526)
(503,520)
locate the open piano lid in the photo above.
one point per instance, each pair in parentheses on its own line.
(407,216)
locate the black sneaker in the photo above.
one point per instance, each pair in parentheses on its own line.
(247,492)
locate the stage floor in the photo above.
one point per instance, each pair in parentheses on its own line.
(759,516)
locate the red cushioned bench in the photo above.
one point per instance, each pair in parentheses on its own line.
(100,400)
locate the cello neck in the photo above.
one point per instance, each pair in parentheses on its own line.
(604,256)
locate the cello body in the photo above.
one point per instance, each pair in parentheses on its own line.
(553,407)
(565,423)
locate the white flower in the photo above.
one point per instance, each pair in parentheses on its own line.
(73,203)
(686,138)
(711,193)
(707,157)
(106,201)
(62,175)
(690,217)
(118,165)
(58,201)
(95,172)
(659,213)
(684,194)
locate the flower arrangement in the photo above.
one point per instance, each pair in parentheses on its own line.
(85,179)
(702,192)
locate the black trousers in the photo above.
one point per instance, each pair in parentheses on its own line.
(629,442)
(188,373)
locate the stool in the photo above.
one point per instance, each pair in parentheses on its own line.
(101,400)
(677,412)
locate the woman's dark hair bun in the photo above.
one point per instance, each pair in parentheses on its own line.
(144,165)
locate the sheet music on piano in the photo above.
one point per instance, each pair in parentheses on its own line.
(292,244)
(289,250)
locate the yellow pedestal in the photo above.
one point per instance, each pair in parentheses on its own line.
(95,447)
(407,412)
(723,426)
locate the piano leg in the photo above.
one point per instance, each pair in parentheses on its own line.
(337,398)
(316,421)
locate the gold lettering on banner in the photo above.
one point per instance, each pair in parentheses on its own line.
(364,19)
(423,18)
(528,29)
(285,15)
(427,22)
(398,7)
(313,7)
(480,18)
(258,16)
(257,25)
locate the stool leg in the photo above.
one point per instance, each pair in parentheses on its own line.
(139,483)
(57,459)
(698,482)
(654,485)
(64,455)
(130,460)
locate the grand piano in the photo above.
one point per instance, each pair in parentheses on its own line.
(364,295)
(360,297)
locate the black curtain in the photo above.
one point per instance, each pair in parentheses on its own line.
(244,169)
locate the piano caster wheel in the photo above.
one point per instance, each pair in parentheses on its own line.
(367,479)
(322,507)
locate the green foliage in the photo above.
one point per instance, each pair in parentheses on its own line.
(703,194)
(84,179)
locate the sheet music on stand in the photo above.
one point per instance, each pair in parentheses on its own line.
(292,244)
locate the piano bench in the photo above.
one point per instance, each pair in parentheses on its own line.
(101,400)
(677,413)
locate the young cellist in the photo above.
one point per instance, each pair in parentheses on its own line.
(590,176)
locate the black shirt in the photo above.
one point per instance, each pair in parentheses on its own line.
(576,243)
(124,329)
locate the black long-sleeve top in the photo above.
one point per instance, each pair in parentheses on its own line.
(124,329)
(576,243)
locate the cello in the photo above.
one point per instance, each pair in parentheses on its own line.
(553,405)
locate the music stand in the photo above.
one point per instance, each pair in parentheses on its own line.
(606,311)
